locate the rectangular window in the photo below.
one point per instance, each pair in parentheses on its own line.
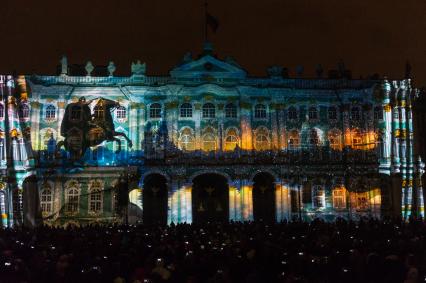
(95,201)
(186,111)
(208,112)
(231,112)
(339,198)
(72,205)
(332,114)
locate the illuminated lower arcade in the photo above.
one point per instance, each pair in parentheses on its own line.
(206,143)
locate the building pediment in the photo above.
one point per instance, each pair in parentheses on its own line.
(208,67)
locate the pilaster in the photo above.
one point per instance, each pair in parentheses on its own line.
(282,201)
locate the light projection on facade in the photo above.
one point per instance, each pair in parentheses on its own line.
(207,142)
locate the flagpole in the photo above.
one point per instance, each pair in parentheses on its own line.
(205,22)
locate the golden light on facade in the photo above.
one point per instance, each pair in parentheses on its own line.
(356,139)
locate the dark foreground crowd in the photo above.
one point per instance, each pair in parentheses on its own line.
(365,251)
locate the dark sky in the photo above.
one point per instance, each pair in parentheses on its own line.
(370,36)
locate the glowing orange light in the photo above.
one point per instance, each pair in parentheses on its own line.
(360,140)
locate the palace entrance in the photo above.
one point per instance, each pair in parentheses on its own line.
(210,198)
(264,197)
(31,202)
(154,198)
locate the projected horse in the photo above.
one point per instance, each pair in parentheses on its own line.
(82,129)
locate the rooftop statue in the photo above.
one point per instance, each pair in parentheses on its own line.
(275,71)
(111,68)
(64,65)
(138,68)
(89,68)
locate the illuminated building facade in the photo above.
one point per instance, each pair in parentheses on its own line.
(210,143)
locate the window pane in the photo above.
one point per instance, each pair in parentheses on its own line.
(292,113)
(208,110)
(260,111)
(121,112)
(355,114)
(231,142)
(230,111)
(186,110)
(262,142)
(209,143)
(50,112)
(155,111)
(332,113)
(313,114)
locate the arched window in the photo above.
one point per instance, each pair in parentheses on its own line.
(378,113)
(209,142)
(230,110)
(231,140)
(332,113)
(98,112)
(335,139)
(313,113)
(186,110)
(318,197)
(355,114)
(293,139)
(121,113)
(95,198)
(75,112)
(209,110)
(50,112)
(155,110)
(260,111)
(314,139)
(1,111)
(186,141)
(24,111)
(72,200)
(292,113)
(262,140)
(46,200)
(339,198)
(359,201)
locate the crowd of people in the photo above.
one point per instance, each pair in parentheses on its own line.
(343,251)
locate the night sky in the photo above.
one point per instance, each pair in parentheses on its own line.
(370,36)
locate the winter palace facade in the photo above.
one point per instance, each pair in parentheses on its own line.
(205,143)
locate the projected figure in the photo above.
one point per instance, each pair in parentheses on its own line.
(82,129)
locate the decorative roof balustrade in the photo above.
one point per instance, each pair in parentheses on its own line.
(102,81)
(297,83)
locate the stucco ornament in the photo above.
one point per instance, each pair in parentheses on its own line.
(111,68)
(138,68)
(64,65)
(89,68)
